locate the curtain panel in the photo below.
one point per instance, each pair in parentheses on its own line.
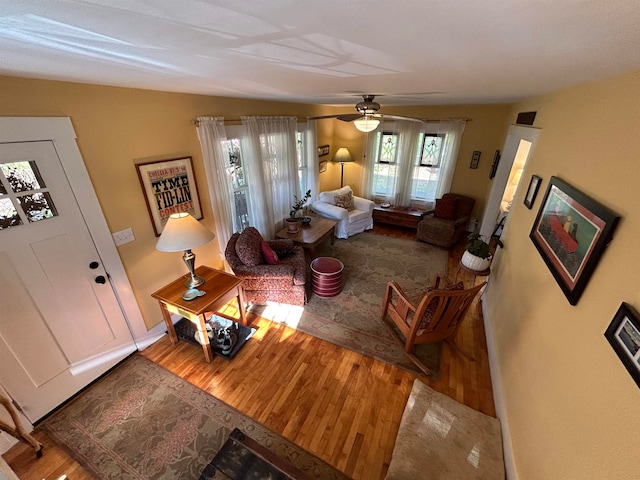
(272,169)
(211,134)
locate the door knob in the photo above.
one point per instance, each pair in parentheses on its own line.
(100,279)
(94,265)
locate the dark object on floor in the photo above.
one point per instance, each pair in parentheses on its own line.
(186,330)
(241,457)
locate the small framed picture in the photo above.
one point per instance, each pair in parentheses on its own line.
(323,166)
(623,334)
(532,191)
(323,150)
(169,186)
(475,159)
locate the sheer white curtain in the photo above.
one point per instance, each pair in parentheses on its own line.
(310,159)
(369,161)
(407,155)
(271,161)
(453,130)
(211,133)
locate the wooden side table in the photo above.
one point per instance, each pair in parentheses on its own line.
(220,288)
(475,273)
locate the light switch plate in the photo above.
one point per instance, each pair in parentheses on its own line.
(123,236)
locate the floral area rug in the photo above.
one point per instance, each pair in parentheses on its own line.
(352,318)
(143,422)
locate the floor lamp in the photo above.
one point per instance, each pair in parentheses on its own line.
(343,156)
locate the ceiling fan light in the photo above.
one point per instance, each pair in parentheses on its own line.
(366,124)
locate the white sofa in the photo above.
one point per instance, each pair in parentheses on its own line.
(349,222)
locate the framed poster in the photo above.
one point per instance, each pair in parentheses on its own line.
(571,232)
(623,334)
(169,186)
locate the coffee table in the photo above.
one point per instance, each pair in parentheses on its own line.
(312,235)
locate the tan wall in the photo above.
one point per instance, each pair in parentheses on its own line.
(118,126)
(571,406)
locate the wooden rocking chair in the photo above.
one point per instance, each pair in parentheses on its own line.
(436,318)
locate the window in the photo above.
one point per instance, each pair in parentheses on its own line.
(23,195)
(303,168)
(426,165)
(385,166)
(241,197)
(426,173)
(241,188)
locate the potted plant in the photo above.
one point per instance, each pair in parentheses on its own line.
(293,221)
(477,252)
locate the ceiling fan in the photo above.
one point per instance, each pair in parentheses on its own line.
(367,118)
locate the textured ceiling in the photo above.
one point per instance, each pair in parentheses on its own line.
(419,52)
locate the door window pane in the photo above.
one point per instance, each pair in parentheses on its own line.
(37,206)
(8,214)
(22,176)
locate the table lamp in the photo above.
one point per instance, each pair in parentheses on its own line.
(342,156)
(183,232)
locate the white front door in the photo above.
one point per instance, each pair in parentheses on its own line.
(61,325)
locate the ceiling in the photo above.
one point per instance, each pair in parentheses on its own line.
(419,52)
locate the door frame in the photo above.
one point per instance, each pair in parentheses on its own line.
(60,131)
(515,134)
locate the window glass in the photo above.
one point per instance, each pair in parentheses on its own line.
(37,206)
(21,184)
(239,183)
(22,176)
(8,214)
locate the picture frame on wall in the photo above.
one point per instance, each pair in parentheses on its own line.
(169,186)
(571,231)
(323,166)
(623,334)
(475,159)
(532,191)
(323,150)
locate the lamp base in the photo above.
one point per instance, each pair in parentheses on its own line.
(194,281)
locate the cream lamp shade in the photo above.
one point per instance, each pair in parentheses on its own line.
(343,156)
(182,232)
(367,123)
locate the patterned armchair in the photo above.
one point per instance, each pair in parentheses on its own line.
(272,270)
(447,223)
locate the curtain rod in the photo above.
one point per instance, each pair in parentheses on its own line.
(238,121)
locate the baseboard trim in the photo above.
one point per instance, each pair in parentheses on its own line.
(498,395)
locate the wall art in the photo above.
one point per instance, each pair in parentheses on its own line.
(532,191)
(623,334)
(571,232)
(169,186)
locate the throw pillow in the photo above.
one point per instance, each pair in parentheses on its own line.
(433,304)
(344,201)
(269,255)
(248,247)
(446,208)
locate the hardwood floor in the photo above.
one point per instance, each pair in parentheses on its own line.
(339,405)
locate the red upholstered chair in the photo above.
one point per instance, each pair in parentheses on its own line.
(447,224)
(282,282)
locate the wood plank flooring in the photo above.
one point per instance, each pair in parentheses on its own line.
(341,406)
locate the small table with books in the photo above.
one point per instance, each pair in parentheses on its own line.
(219,287)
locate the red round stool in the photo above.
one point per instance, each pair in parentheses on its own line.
(326,276)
